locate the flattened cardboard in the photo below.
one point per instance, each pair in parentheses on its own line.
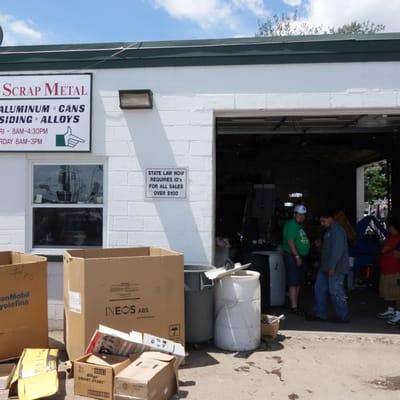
(139,289)
(111,341)
(36,375)
(155,343)
(94,375)
(152,376)
(23,303)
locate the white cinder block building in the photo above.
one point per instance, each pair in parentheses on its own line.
(79,168)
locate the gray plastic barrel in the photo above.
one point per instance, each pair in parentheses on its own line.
(199,304)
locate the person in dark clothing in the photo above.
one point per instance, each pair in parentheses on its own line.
(333,268)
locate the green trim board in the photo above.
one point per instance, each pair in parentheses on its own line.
(241,51)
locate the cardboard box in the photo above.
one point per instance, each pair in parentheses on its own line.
(23,303)
(152,376)
(127,289)
(94,375)
(36,375)
(269,326)
(111,341)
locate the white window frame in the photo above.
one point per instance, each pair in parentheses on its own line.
(56,251)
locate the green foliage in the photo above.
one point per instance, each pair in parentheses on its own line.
(293,25)
(375,181)
(287,25)
(358,28)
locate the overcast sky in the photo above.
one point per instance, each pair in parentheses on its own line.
(27,22)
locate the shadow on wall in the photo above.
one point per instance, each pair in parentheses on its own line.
(153,150)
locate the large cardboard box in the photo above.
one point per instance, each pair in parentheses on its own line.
(152,376)
(127,289)
(23,303)
(94,375)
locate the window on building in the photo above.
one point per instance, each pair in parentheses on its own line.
(67,206)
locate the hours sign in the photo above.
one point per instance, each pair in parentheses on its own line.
(45,112)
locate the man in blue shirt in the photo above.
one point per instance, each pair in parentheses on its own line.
(333,268)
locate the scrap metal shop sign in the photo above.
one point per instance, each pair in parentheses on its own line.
(166,183)
(45,112)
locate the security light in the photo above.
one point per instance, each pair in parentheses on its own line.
(135,99)
(295,195)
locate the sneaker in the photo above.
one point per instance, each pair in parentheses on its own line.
(387,314)
(395,320)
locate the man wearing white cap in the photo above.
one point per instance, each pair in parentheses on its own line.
(296,246)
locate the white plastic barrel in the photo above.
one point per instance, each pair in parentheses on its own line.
(237,312)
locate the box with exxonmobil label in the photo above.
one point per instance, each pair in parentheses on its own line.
(23,303)
(126,289)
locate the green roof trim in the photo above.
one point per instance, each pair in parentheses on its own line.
(241,51)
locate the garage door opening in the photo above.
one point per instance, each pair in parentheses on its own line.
(267,165)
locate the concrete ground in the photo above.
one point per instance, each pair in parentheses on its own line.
(308,360)
(297,365)
(356,361)
(364,305)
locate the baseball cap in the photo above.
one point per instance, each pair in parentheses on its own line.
(300,209)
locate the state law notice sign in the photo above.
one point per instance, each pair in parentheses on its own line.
(166,183)
(49,113)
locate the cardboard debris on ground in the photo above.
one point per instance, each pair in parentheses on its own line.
(94,375)
(131,288)
(270,325)
(23,303)
(152,376)
(36,375)
(111,341)
(6,373)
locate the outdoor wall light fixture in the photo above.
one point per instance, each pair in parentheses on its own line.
(135,99)
(289,204)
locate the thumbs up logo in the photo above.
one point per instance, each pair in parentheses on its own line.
(68,139)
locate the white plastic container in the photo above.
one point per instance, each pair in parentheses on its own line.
(238,312)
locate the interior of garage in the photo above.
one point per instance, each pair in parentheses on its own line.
(267,165)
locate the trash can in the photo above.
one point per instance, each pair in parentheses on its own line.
(199,304)
(237,312)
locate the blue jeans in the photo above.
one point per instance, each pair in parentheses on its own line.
(332,286)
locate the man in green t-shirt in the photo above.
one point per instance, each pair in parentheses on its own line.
(296,246)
